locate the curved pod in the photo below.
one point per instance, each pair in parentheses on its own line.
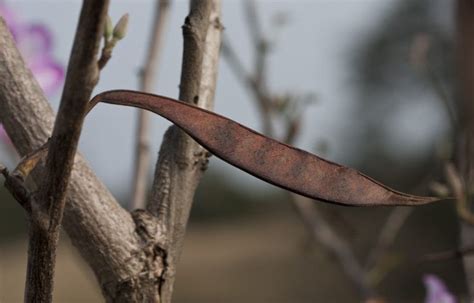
(270,160)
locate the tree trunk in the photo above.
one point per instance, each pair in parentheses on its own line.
(465,135)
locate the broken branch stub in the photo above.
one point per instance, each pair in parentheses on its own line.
(272,161)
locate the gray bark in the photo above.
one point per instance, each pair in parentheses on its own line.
(182,161)
(112,243)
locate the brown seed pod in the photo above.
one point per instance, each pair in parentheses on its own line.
(272,161)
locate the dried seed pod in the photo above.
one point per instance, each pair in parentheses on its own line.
(272,161)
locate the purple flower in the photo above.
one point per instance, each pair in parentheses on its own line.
(436,290)
(35,44)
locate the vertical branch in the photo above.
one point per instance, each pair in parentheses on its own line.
(142,146)
(103,232)
(465,138)
(259,42)
(82,75)
(182,161)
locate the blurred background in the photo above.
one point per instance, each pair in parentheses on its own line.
(379,77)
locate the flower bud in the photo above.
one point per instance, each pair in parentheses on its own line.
(109,28)
(120,29)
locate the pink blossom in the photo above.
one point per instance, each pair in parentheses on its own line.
(436,290)
(35,44)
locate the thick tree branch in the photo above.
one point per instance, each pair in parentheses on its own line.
(182,161)
(104,233)
(82,75)
(142,146)
(81,78)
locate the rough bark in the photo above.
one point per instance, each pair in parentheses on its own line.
(182,161)
(81,78)
(116,245)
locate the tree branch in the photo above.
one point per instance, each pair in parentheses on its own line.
(104,233)
(182,161)
(142,145)
(82,75)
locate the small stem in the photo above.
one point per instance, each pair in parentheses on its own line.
(386,237)
(260,95)
(142,143)
(323,233)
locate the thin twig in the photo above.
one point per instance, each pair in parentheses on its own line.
(142,144)
(447,254)
(261,97)
(458,188)
(394,222)
(82,76)
(259,79)
(324,234)
(259,42)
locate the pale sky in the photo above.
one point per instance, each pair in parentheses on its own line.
(311,55)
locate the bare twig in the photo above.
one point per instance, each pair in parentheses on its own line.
(386,236)
(259,42)
(182,161)
(262,98)
(458,188)
(324,234)
(447,255)
(142,145)
(259,78)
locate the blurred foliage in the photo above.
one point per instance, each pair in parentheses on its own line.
(389,85)
(219,198)
(382,60)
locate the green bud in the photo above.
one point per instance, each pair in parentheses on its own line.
(120,29)
(109,28)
